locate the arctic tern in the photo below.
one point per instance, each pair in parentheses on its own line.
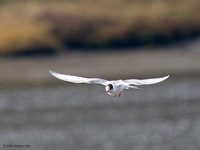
(114,87)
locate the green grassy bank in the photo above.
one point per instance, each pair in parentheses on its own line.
(47,24)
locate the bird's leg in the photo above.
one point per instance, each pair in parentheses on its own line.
(119,94)
(114,95)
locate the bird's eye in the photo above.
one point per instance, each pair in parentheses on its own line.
(110,86)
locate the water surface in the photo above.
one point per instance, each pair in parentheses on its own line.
(163,116)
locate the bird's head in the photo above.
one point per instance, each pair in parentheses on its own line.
(109,88)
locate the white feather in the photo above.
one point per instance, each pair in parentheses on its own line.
(76,79)
(145,81)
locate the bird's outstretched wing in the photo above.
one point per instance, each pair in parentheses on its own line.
(145,81)
(76,79)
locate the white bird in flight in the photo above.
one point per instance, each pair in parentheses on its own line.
(114,87)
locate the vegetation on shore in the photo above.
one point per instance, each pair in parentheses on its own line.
(55,25)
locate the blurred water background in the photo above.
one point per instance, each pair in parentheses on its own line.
(107,39)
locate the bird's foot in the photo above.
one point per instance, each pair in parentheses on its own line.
(119,94)
(114,95)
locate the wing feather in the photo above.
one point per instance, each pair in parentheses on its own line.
(145,81)
(77,79)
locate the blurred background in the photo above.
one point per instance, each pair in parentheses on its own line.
(111,39)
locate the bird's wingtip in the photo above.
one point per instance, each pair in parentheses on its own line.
(51,72)
(167,76)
